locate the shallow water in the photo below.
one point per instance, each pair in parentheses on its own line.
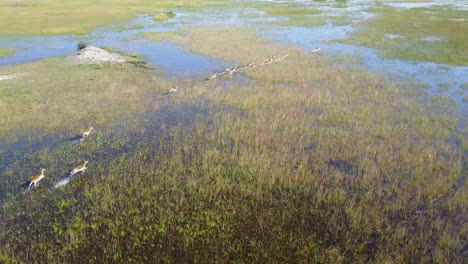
(28,49)
(174,61)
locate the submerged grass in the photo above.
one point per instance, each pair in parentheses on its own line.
(6,52)
(306,163)
(426,34)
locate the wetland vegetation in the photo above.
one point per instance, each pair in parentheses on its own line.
(428,34)
(313,159)
(5,52)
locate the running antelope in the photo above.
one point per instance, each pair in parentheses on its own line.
(79,168)
(213,76)
(85,133)
(171,91)
(230,71)
(36,178)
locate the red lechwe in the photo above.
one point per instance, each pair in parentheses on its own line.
(79,168)
(85,133)
(36,178)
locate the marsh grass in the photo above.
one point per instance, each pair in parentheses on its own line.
(307,162)
(163,16)
(295,14)
(305,21)
(434,35)
(58,94)
(464,86)
(229,45)
(464,138)
(122,28)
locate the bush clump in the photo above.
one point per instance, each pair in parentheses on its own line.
(81,45)
(164,16)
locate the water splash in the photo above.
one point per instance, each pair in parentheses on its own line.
(62,182)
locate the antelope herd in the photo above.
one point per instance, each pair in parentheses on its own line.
(77,169)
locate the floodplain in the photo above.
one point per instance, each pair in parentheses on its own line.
(357,153)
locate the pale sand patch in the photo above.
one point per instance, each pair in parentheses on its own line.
(91,55)
(11,76)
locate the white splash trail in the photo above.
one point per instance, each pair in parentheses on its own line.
(62,182)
